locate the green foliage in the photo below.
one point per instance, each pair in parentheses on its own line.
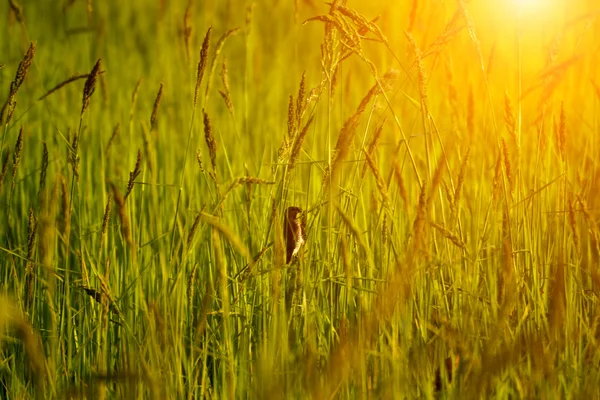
(447,254)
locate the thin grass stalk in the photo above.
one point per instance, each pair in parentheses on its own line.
(199,75)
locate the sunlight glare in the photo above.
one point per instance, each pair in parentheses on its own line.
(531,5)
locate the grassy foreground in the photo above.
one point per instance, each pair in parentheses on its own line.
(445,154)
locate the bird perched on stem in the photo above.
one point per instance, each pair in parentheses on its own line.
(295,232)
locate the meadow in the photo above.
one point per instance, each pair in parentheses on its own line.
(445,155)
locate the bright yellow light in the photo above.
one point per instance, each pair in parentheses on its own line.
(531,5)
(527,3)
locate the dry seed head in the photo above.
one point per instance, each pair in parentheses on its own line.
(73,156)
(227,100)
(10,111)
(291,122)
(497,182)
(413,15)
(31,229)
(210,142)
(449,32)
(384,230)
(449,235)
(8,108)
(553,49)
(17,155)
(507,165)
(134,174)
(246,180)
(363,24)
(346,135)
(389,80)
(421,216)
(187,29)
(562,131)
(202,64)
(63,84)
(300,99)
(381,186)
(449,195)
(190,284)
(193,229)
(573,222)
(509,118)
(420,67)
(44,168)
(90,86)
(154,116)
(227,93)
(113,136)
(225,75)
(17,10)
(213,63)
(372,146)
(199,159)
(148,148)
(134,97)
(122,213)
(22,71)
(106,219)
(471,29)
(400,180)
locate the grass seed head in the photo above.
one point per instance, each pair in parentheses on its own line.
(154,116)
(106,219)
(63,84)
(562,132)
(122,213)
(22,70)
(213,63)
(115,132)
(381,186)
(8,108)
(90,86)
(134,174)
(17,10)
(17,156)
(508,166)
(199,159)
(202,64)
(134,97)
(509,118)
(291,121)
(193,229)
(43,170)
(210,142)
(187,28)
(400,181)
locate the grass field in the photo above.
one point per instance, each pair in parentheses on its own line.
(445,155)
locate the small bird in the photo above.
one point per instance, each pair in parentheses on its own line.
(295,232)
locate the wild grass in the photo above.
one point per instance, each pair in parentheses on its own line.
(450,205)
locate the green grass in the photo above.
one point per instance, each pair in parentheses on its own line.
(466,233)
